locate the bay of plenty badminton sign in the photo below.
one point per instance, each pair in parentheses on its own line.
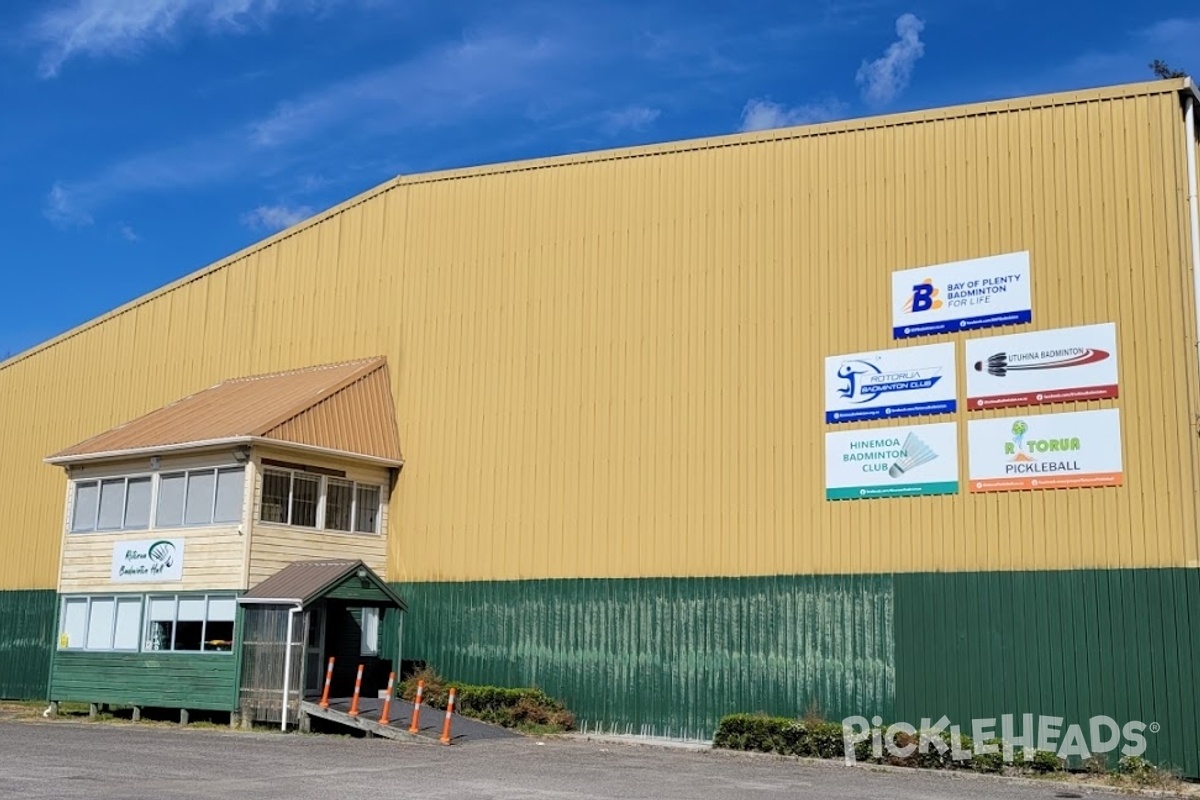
(891,462)
(961,296)
(904,382)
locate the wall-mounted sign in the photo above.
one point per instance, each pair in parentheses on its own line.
(156,560)
(1045,451)
(891,462)
(980,293)
(891,383)
(1056,366)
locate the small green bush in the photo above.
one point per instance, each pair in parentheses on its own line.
(522,709)
(1045,762)
(989,762)
(815,738)
(791,737)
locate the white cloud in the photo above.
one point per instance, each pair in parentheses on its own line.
(429,90)
(883,79)
(760,114)
(128,233)
(275,218)
(98,28)
(630,118)
(63,209)
(444,86)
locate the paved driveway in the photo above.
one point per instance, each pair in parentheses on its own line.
(73,761)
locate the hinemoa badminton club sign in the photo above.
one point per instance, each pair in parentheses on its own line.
(891,462)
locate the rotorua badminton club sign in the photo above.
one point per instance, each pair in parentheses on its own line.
(891,462)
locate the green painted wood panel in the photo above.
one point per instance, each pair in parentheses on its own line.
(666,656)
(162,680)
(27,620)
(1119,643)
(352,589)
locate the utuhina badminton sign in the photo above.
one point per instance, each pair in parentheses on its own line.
(1057,366)
(891,462)
(904,382)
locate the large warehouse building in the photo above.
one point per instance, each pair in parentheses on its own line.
(893,416)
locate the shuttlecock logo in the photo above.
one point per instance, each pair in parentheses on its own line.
(1001,364)
(915,453)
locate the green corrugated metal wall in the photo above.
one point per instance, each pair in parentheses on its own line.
(1119,643)
(670,656)
(666,656)
(27,621)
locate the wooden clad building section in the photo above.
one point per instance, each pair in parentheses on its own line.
(214,556)
(166,680)
(273,547)
(213,559)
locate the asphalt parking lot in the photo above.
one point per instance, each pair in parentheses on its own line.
(78,761)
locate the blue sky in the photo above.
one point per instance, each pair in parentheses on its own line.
(144,139)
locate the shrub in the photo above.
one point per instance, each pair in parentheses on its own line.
(1134,766)
(989,762)
(791,737)
(1141,771)
(1045,762)
(523,709)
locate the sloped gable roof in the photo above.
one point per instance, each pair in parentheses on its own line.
(344,407)
(306,582)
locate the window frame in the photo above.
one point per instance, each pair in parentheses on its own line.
(187,485)
(88,601)
(99,482)
(155,478)
(175,598)
(377,614)
(322,501)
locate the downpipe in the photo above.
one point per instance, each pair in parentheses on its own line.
(287,666)
(1192,135)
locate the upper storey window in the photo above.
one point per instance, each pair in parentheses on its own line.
(308,500)
(211,496)
(200,497)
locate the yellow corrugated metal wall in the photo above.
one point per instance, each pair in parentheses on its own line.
(611,365)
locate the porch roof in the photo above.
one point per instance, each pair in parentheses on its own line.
(306,582)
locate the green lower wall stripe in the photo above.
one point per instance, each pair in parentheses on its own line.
(1118,643)
(27,620)
(670,656)
(666,657)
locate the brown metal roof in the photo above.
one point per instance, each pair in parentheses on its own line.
(305,582)
(345,407)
